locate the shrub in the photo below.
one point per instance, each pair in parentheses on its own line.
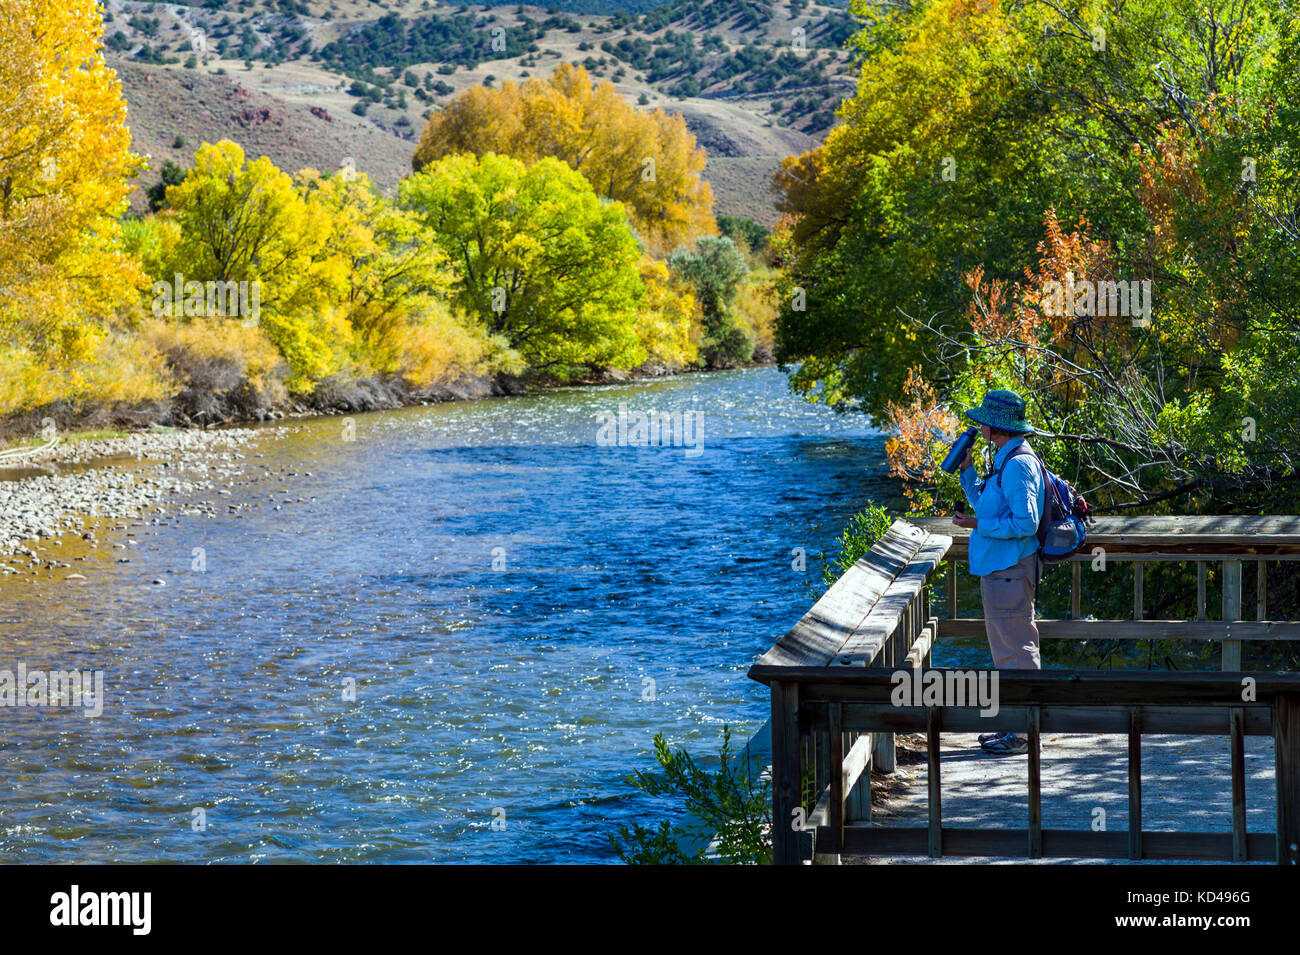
(744,232)
(431,345)
(218,363)
(733,803)
(859,536)
(125,369)
(755,308)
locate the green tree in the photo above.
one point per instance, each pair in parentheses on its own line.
(64,164)
(744,231)
(716,268)
(536,256)
(916,185)
(648,161)
(173,174)
(1150,142)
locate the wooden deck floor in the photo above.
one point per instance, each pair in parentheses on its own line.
(1185,785)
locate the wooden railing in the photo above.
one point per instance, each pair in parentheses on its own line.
(831,680)
(1229,541)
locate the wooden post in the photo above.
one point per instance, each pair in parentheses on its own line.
(1237,732)
(882,743)
(1261,590)
(823,776)
(786,773)
(1200,590)
(1035,785)
(933,723)
(1231,611)
(882,752)
(807,773)
(1076,587)
(1286,753)
(952,588)
(821,764)
(900,637)
(859,799)
(1134,782)
(808,794)
(835,734)
(1137,590)
(922,622)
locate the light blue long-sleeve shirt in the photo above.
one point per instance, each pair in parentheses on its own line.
(1008,516)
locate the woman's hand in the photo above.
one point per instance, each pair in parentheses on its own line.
(962,520)
(966,462)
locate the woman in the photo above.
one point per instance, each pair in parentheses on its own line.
(1004,541)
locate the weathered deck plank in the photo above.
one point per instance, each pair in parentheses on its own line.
(864,644)
(818,635)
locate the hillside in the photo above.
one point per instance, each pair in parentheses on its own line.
(325,83)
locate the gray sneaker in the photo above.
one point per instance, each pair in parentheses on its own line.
(1007,745)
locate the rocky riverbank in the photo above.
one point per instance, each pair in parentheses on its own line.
(68,488)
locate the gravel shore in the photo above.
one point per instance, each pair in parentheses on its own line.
(59,490)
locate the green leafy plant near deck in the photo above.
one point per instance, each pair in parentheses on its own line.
(859,536)
(732,804)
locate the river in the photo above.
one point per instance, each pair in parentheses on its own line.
(516,606)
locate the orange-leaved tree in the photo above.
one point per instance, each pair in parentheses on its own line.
(1086,373)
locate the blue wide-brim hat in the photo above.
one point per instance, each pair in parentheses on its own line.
(1004,410)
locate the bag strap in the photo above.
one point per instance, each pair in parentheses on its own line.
(1017,450)
(1048,488)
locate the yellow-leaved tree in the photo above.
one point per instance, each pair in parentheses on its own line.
(647,161)
(245,223)
(393,285)
(666,318)
(64,163)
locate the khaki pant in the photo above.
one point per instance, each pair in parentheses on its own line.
(1008,597)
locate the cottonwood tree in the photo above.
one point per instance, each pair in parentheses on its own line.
(646,160)
(715,268)
(536,255)
(64,161)
(1165,134)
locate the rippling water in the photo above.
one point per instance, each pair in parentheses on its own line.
(500,587)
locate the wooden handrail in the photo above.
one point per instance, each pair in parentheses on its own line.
(1147,629)
(1212,537)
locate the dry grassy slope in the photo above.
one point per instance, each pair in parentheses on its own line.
(744,152)
(268,110)
(164,103)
